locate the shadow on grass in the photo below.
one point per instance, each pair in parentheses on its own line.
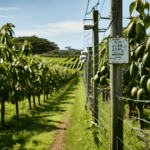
(22,129)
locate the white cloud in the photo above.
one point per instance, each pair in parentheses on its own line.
(52,29)
(31,32)
(9,8)
(63,27)
(3,16)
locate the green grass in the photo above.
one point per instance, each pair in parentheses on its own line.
(133,136)
(79,136)
(36,129)
(63,61)
(54,59)
(84,135)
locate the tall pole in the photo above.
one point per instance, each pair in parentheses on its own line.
(95,63)
(89,65)
(89,74)
(116,82)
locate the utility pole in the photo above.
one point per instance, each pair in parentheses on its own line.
(95,63)
(116,81)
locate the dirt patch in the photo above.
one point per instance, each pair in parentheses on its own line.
(59,138)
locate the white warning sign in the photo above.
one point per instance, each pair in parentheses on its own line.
(118,50)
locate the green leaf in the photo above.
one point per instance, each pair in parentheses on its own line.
(132,6)
(141,17)
(1,60)
(26,67)
(146,6)
(3,39)
(102,53)
(147,21)
(8,42)
(29,69)
(139,7)
(143,1)
(137,20)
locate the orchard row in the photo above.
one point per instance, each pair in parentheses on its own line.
(23,75)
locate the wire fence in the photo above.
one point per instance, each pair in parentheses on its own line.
(103,125)
(136,125)
(136,113)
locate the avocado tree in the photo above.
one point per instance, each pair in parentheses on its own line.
(138,68)
(22,75)
(6,52)
(136,73)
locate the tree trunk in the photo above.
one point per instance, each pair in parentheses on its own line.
(129,109)
(22,93)
(141,115)
(39,100)
(3,113)
(107,96)
(44,96)
(29,99)
(133,106)
(34,100)
(17,110)
(103,96)
(51,93)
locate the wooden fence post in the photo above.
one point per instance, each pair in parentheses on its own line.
(146,141)
(116,82)
(89,65)
(95,63)
(89,71)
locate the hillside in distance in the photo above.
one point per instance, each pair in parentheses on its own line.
(73,52)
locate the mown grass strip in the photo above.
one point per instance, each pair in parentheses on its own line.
(36,129)
(82,134)
(79,135)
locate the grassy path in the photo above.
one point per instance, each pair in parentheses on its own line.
(79,135)
(37,128)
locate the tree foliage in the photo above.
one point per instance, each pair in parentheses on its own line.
(22,75)
(40,45)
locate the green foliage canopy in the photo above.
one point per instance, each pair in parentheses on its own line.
(40,45)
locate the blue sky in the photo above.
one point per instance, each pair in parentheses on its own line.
(59,21)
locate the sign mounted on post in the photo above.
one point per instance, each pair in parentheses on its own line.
(118,50)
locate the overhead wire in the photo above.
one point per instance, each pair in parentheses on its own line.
(102,6)
(87,8)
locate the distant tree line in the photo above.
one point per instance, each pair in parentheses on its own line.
(71,52)
(40,45)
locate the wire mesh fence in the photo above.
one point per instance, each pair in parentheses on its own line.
(103,125)
(136,124)
(136,113)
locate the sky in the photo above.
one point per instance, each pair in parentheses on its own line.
(59,21)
